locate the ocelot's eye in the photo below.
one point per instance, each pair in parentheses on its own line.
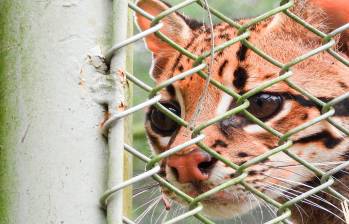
(161,123)
(265,105)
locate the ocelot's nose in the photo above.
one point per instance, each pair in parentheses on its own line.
(191,167)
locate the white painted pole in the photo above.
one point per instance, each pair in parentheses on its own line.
(116,133)
(52,156)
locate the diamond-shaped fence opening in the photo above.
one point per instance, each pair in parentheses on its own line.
(152,163)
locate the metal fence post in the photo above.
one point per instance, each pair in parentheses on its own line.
(116,133)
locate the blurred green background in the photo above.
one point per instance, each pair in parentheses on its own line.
(235,9)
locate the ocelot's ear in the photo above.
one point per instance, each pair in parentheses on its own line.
(337,12)
(174,26)
(325,15)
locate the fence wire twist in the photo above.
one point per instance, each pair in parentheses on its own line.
(285,142)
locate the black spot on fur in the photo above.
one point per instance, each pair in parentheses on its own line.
(268,76)
(180,68)
(224,36)
(171,90)
(343,85)
(304,116)
(326,137)
(332,142)
(342,108)
(193,24)
(240,78)
(181,55)
(219,143)
(241,53)
(176,62)
(315,181)
(221,68)
(242,154)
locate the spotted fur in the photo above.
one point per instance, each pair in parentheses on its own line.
(239,139)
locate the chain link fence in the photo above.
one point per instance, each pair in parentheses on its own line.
(152,163)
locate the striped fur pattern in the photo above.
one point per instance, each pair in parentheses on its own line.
(239,139)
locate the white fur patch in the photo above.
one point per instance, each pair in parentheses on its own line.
(253,129)
(283,113)
(277,20)
(180,101)
(224,104)
(164,141)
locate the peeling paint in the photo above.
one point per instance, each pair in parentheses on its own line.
(94,72)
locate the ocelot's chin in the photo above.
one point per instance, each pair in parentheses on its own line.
(233,201)
(225,211)
(224,205)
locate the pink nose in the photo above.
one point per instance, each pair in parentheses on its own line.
(191,167)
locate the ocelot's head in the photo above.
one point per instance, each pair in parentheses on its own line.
(281,106)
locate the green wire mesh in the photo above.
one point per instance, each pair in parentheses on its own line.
(285,142)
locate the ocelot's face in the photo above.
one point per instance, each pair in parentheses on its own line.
(238,138)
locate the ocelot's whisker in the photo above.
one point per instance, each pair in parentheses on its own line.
(309,202)
(314,164)
(259,205)
(155,201)
(339,181)
(282,168)
(267,186)
(147,186)
(141,190)
(299,184)
(150,201)
(288,181)
(306,201)
(160,215)
(336,179)
(250,202)
(269,207)
(156,209)
(312,196)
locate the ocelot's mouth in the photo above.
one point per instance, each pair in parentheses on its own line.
(162,172)
(195,188)
(222,205)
